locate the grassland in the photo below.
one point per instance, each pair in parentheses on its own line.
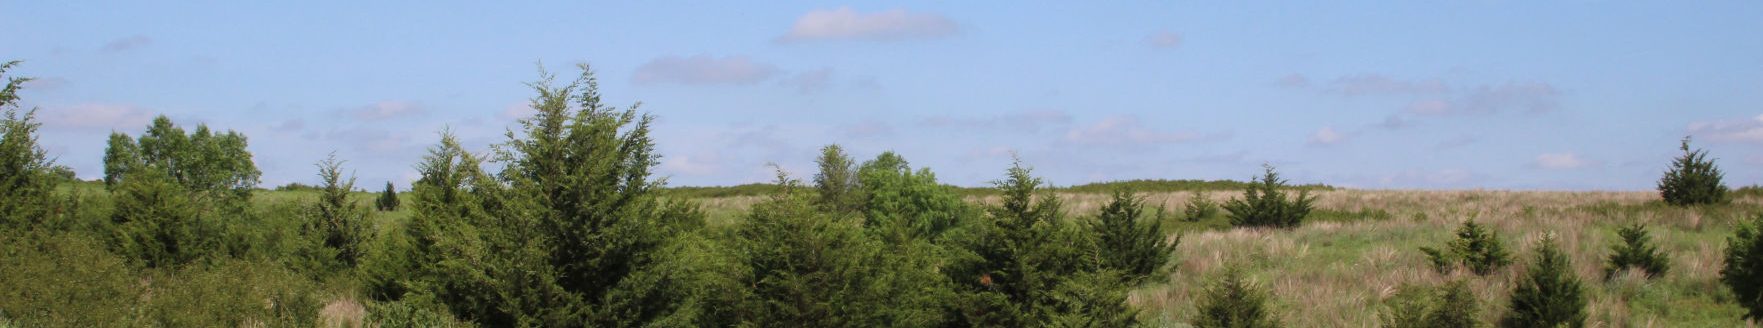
(1360,245)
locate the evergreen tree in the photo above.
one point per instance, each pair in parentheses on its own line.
(388,200)
(1693,179)
(25,178)
(1742,271)
(837,180)
(1089,299)
(1636,251)
(1549,295)
(1264,204)
(156,223)
(1126,242)
(1450,306)
(1476,247)
(1200,207)
(337,220)
(1234,302)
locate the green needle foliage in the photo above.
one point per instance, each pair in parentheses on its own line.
(1128,240)
(1234,302)
(1476,247)
(337,221)
(26,180)
(388,199)
(1264,204)
(1200,207)
(1450,306)
(1743,269)
(1549,295)
(1693,179)
(1636,251)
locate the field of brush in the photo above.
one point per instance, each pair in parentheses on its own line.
(1360,245)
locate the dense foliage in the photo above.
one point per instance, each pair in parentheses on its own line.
(1264,204)
(1235,302)
(1636,251)
(1549,294)
(1743,269)
(1693,179)
(1476,247)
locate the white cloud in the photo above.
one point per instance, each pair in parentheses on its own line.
(96,116)
(1164,39)
(387,109)
(847,24)
(126,44)
(1125,130)
(1560,161)
(1327,136)
(704,164)
(1731,130)
(703,70)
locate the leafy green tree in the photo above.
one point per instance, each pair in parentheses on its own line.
(1476,247)
(337,220)
(388,200)
(1264,204)
(900,204)
(213,166)
(1234,302)
(1693,179)
(1742,271)
(1549,295)
(1127,242)
(1636,251)
(25,178)
(837,180)
(1450,306)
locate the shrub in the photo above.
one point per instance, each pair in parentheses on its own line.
(1636,251)
(1234,302)
(1476,247)
(899,203)
(1693,179)
(26,179)
(1200,207)
(156,222)
(1450,306)
(1088,299)
(388,200)
(232,293)
(408,314)
(1549,295)
(1127,242)
(1743,269)
(1264,204)
(64,280)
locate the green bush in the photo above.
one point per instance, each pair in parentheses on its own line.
(388,200)
(157,223)
(1549,294)
(1636,251)
(1693,179)
(26,177)
(1088,299)
(1476,247)
(408,314)
(1450,306)
(335,219)
(901,204)
(1200,207)
(231,293)
(1127,242)
(1743,269)
(1234,302)
(1264,204)
(837,180)
(64,280)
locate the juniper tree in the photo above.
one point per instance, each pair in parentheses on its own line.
(1264,204)
(1200,206)
(1742,269)
(25,178)
(1636,251)
(1476,247)
(1450,306)
(1549,294)
(388,199)
(338,221)
(1693,179)
(156,222)
(1126,242)
(1234,302)
(837,180)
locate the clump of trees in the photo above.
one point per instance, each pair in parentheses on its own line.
(1264,204)
(1636,251)
(1476,247)
(1693,179)
(1742,271)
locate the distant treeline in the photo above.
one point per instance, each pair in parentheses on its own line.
(1139,185)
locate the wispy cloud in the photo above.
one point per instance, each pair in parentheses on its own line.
(845,23)
(1560,161)
(386,110)
(1327,136)
(811,81)
(1730,130)
(1164,39)
(1023,121)
(1375,84)
(96,116)
(704,70)
(1124,130)
(1293,80)
(126,44)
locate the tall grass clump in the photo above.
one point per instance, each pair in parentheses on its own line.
(1693,179)
(1548,295)
(1636,251)
(1264,204)
(1743,269)
(1476,247)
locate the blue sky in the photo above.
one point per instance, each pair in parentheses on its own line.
(1411,94)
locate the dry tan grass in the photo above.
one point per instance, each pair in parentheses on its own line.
(343,312)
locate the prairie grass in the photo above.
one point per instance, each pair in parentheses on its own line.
(1337,269)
